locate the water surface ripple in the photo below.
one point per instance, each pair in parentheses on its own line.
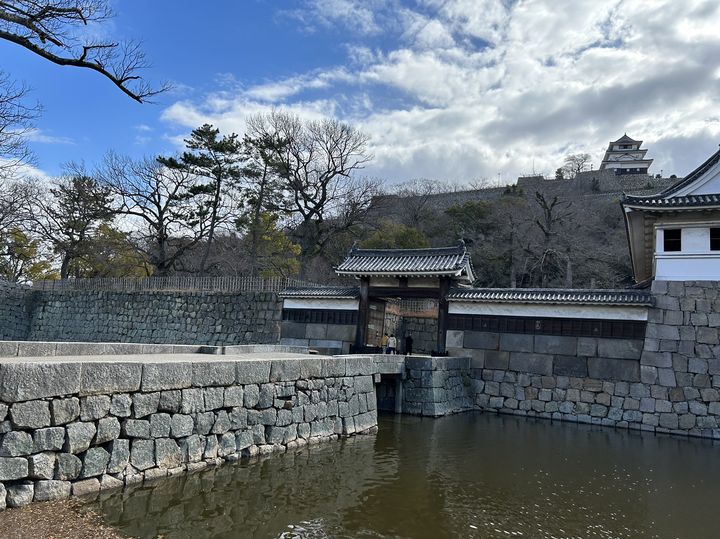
(469,475)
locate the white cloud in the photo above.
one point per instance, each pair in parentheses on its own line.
(40,136)
(477,88)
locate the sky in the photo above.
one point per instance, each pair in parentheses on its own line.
(452,90)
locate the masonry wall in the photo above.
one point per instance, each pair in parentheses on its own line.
(154,317)
(80,426)
(667,382)
(14,312)
(423,331)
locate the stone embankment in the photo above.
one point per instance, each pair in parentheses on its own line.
(176,317)
(78,424)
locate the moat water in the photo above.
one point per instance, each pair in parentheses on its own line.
(468,475)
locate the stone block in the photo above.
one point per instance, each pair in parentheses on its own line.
(28,381)
(669,421)
(110,377)
(267,396)
(243,440)
(251,396)
(64,411)
(697,365)
(20,495)
(68,467)
(49,439)
(170,375)
(555,344)
(192,448)
(310,367)
(170,401)
(360,365)
(515,342)
(142,454)
(159,425)
(94,407)
(222,423)
(86,486)
(167,453)
(213,373)
(648,375)
(620,348)
(95,461)
(252,372)
(497,359)
(79,436)
(293,330)
(316,331)
(121,405)
(666,377)
(136,428)
(341,332)
(586,346)
(570,366)
(483,340)
(233,396)
(16,444)
(145,404)
(285,370)
(35,349)
(531,363)
(454,338)
(30,415)
(192,401)
(614,369)
(46,491)
(119,456)
(213,398)
(181,425)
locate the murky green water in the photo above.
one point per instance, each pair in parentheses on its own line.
(470,475)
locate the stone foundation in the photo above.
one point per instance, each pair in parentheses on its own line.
(76,425)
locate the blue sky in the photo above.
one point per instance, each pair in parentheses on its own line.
(454,90)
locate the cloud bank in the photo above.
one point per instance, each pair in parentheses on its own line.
(460,90)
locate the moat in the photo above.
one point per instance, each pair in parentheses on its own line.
(467,475)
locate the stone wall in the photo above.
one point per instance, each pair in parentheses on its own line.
(14,312)
(81,425)
(324,338)
(667,382)
(423,331)
(208,318)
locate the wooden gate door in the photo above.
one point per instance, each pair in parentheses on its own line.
(376,321)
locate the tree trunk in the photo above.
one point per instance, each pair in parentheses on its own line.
(213,222)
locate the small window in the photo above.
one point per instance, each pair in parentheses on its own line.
(715,239)
(671,241)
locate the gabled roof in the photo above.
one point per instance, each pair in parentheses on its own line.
(676,196)
(333,292)
(552,295)
(441,261)
(626,140)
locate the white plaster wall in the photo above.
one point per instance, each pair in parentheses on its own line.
(321,303)
(610,312)
(687,267)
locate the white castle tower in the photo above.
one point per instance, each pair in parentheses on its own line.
(624,156)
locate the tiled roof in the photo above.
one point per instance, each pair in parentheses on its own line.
(665,199)
(626,139)
(339,292)
(408,262)
(687,201)
(551,295)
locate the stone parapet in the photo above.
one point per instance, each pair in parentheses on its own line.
(79,424)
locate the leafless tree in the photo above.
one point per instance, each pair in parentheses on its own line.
(159,201)
(53,29)
(574,163)
(315,162)
(15,123)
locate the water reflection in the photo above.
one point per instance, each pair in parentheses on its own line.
(470,475)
